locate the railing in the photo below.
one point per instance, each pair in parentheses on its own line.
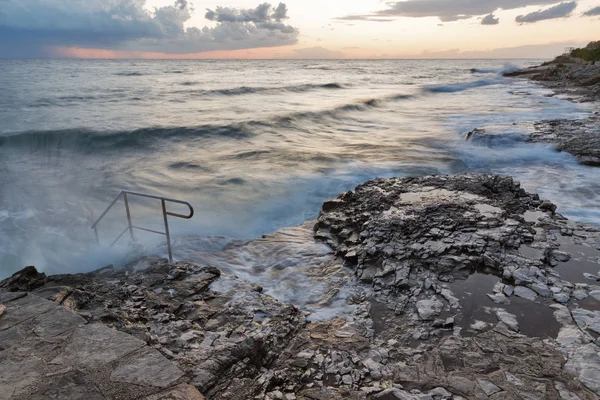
(130,227)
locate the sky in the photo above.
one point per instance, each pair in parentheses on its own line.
(295,28)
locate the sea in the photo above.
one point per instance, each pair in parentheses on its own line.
(254,146)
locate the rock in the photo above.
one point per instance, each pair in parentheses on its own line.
(108,345)
(2,309)
(509,290)
(146,368)
(525,293)
(23,281)
(541,289)
(508,319)
(498,298)
(429,309)
(584,362)
(488,387)
(562,297)
(587,319)
(181,392)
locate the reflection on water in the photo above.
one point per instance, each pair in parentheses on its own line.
(535,319)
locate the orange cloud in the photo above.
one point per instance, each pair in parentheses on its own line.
(90,53)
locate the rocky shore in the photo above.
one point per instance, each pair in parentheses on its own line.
(458,287)
(579,80)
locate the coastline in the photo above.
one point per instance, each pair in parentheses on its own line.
(440,287)
(417,247)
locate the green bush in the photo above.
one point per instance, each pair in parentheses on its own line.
(586,54)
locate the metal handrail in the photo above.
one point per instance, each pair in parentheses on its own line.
(130,227)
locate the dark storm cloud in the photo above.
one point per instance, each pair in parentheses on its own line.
(593,12)
(561,10)
(448,11)
(126,25)
(490,19)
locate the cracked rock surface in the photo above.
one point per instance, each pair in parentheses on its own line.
(459,292)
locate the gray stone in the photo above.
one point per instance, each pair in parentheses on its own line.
(56,321)
(429,309)
(562,297)
(17,375)
(509,290)
(146,368)
(508,319)
(11,336)
(93,346)
(541,289)
(181,392)
(584,362)
(6,297)
(23,309)
(498,298)
(488,387)
(525,293)
(587,319)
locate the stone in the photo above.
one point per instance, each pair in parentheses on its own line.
(23,309)
(509,290)
(24,280)
(56,321)
(2,309)
(541,289)
(525,293)
(498,298)
(146,368)
(488,387)
(587,319)
(562,297)
(93,346)
(429,309)
(17,375)
(510,320)
(181,392)
(584,362)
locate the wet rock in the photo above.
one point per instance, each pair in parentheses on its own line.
(428,309)
(508,319)
(488,387)
(526,293)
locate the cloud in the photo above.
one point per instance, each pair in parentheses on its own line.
(490,19)
(448,11)
(548,51)
(370,18)
(127,25)
(317,53)
(561,10)
(593,12)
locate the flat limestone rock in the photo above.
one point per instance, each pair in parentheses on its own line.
(2,309)
(147,368)
(15,376)
(56,321)
(5,297)
(181,392)
(24,308)
(93,346)
(11,336)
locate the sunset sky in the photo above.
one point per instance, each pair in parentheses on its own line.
(295,29)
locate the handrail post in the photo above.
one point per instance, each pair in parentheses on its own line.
(165,217)
(96,232)
(128,215)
